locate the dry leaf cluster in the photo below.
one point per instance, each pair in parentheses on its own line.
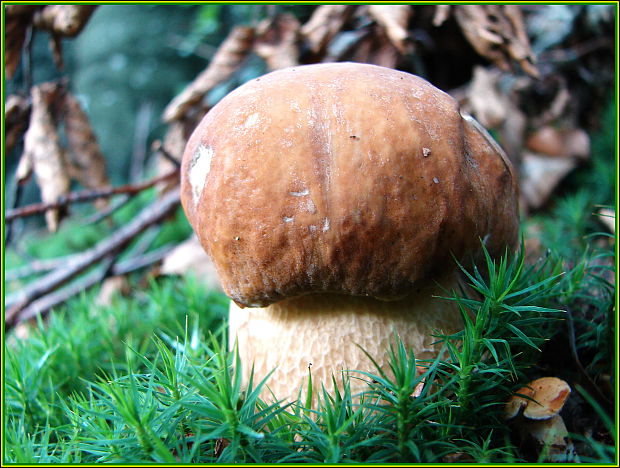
(378,34)
(545,144)
(59,145)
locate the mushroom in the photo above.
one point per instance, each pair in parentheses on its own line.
(541,401)
(334,199)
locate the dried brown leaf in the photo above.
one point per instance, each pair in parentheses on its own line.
(42,146)
(63,20)
(560,142)
(540,175)
(326,21)
(190,258)
(485,101)
(16,113)
(229,56)
(276,41)
(495,109)
(497,32)
(558,106)
(394,19)
(512,133)
(87,163)
(377,49)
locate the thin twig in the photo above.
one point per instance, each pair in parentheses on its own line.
(37,266)
(85,196)
(158,147)
(143,244)
(141,261)
(152,214)
(48,302)
(108,211)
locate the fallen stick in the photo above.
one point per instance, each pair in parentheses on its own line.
(85,196)
(107,211)
(37,266)
(152,214)
(43,305)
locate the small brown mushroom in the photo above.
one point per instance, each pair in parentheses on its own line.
(541,401)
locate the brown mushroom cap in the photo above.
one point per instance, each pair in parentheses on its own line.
(548,395)
(346,178)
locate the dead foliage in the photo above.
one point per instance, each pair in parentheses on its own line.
(394,19)
(43,153)
(58,20)
(326,21)
(497,32)
(277,41)
(228,58)
(85,160)
(63,20)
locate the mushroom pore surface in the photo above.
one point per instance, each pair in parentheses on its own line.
(343,178)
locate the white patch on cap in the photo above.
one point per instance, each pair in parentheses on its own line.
(325,225)
(310,206)
(303,193)
(251,120)
(199,168)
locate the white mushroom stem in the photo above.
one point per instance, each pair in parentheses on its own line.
(322,331)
